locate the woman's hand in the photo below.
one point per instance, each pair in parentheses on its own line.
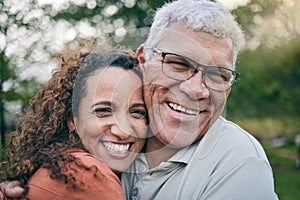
(10,189)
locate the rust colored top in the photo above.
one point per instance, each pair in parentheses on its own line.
(107,186)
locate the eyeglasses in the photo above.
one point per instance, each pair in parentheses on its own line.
(182,68)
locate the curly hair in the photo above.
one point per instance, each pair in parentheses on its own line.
(42,137)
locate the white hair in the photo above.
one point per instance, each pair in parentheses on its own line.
(211,17)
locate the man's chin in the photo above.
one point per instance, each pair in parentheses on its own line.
(180,140)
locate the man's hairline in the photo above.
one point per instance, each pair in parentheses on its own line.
(158,39)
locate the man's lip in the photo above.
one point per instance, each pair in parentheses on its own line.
(183,109)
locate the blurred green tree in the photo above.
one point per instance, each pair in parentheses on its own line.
(12,87)
(32,31)
(269,83)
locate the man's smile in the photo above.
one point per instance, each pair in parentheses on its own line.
(182,109)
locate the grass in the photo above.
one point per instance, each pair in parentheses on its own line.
(287,183)
(270,127)
(286,177)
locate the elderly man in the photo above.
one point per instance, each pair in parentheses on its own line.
(188,63)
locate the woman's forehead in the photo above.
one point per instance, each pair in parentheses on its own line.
(113,82)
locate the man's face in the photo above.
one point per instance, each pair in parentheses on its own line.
(181,112)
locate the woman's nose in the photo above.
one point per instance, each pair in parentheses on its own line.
(122,133)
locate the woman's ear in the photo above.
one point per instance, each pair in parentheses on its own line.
(140,54)
(71,125)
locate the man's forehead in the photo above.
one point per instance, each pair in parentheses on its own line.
(183,47)
(177,38)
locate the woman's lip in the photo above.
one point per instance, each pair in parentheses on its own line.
(118,150)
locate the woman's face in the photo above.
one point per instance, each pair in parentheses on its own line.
(112,117)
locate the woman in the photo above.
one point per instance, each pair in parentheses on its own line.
(51,151)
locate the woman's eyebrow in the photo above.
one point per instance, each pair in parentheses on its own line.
(138,105)
(108,103)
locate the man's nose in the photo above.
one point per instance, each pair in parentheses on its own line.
(195,87)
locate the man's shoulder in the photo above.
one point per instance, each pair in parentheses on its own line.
(224,149)
(228,139)
(238,137)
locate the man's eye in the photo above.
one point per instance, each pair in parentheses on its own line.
(227,75)
(218,75)
(177,61)
(102,112)
(137,113)
(177,64)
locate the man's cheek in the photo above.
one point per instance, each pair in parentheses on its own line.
(152,73)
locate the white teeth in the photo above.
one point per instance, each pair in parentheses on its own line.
(116,148)
(183,110)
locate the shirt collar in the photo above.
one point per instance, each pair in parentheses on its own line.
(203,146)
(185,154)
(211,138)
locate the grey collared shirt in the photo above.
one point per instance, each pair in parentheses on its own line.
(228,163)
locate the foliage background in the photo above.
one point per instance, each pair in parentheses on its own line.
(265,101)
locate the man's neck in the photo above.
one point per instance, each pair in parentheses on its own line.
(157,153)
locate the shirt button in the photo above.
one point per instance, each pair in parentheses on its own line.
(135,192)
(143,168)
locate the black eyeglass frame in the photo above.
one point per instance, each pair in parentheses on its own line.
(196,66)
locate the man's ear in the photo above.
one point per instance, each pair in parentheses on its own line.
(71,125)
(140,54)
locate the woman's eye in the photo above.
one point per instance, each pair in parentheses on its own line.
(137,113)
(102,112)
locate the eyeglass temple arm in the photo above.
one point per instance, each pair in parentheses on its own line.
(154,50)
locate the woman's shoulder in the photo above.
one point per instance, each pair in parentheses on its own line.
(89,159)
(93,181)
(92,166)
